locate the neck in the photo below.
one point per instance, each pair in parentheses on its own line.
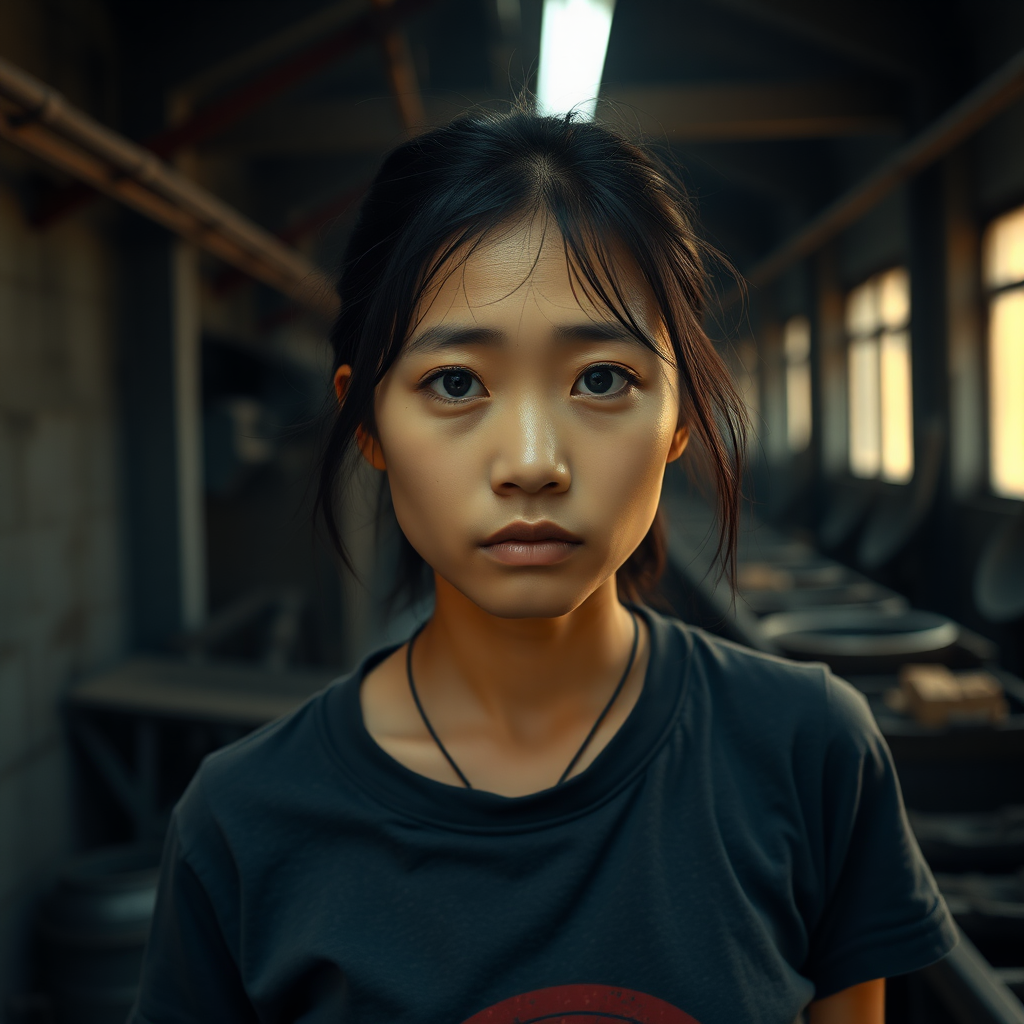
(517,673)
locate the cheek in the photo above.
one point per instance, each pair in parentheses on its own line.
(623,472)
(429,477)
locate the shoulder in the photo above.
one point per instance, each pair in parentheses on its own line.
(254,781)
(747,690)
(736,672)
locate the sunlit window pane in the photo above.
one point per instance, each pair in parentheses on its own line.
(881,408)
(1006,392)
(894,298)
(796,340)
(747,379)
(862,310)
(1004,250)
(798,406)
(865,418)
(897,408)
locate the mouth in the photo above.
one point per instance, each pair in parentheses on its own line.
(531,544)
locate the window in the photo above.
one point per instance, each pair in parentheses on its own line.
(881,428)
(1004,279)
(796,343)
(747,379)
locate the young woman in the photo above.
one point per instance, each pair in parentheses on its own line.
(552,803)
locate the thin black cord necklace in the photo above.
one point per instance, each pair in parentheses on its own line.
(579,753)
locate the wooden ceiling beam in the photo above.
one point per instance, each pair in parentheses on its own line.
(401,71)
(256,59)
(39,121)
(959,123)
(236,104)
(750,111)
(215,117)
(713,112)
(864,32)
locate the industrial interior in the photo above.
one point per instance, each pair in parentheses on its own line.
(176,187)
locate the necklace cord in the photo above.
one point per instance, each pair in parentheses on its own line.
(611,700)
(579,753)
(426,721)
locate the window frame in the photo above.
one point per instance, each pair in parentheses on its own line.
(877,334)
(806,364)
(987,295)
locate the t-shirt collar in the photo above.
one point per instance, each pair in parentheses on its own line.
(618,765)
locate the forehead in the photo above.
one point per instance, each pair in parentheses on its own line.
(521,270)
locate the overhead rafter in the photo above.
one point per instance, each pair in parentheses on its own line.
(401,73)
(961,121)
(703,112)
(257,58)
(303,226)
(863,33)
(750,111)
(38,120)
(213,118)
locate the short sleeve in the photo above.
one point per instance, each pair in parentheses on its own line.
(883,914)
(189,975)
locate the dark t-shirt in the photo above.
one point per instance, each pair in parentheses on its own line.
(738,849)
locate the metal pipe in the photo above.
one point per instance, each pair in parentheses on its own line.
(255,59)
(961,121)
(401,74)
(211,119)
(46,125)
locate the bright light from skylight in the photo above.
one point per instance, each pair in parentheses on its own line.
(573,43)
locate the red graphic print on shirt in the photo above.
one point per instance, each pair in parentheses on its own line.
(582,1004)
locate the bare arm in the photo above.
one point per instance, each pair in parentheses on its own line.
(861,1004)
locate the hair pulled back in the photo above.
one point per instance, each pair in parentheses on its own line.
(439,194)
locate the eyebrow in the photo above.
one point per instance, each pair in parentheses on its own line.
(435,339)
(601,330)
(445,336)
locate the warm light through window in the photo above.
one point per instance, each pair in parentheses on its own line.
(573,43)
(747,378)
(1004,250)
(881,427)
(796,339)
(865,421)
(1004,275)
(897,414)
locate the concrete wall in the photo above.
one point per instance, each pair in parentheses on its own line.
(60,574)
(61,605)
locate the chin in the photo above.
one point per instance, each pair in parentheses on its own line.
(528,598)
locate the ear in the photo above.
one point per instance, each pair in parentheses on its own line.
(342,375)
(680,439)
(370,447)
(368,444)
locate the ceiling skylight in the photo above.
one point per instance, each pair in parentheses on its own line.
(573,44)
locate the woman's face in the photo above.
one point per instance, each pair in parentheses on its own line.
(525,434)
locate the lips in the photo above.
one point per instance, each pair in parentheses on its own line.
(532,533)
(542,543)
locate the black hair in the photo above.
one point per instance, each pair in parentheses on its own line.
(439,194)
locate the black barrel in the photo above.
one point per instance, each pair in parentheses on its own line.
(862,640)
(861,594)
(92,929)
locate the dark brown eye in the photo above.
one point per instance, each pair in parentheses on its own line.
(601,380)
(457,383)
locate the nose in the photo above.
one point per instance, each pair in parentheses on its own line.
(529,456)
